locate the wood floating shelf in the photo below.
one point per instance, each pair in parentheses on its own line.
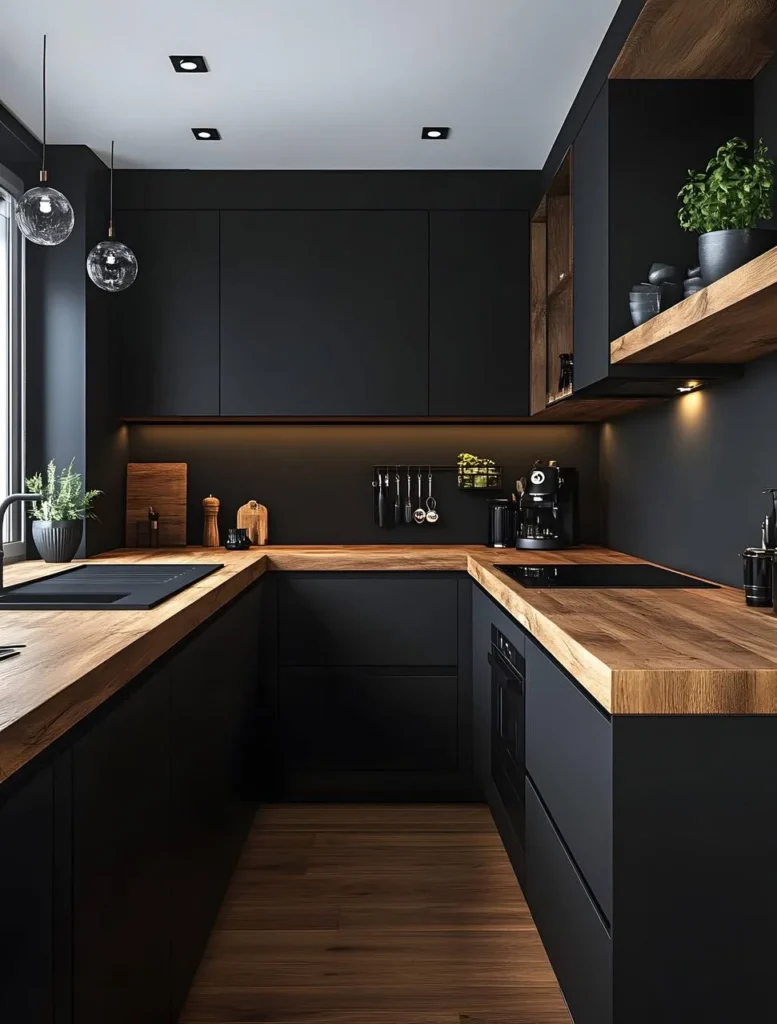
(699,39)
(733,320)
(591,410)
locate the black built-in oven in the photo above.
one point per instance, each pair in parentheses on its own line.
(508,744)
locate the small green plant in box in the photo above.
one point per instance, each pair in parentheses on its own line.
(477,473)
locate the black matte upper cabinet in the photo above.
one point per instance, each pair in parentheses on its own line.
(167,323)
(624,194)
(479,313)
(324,313)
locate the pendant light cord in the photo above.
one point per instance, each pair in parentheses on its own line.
(43,164)
(110,216)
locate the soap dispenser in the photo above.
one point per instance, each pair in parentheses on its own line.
(759,562)
(769,527)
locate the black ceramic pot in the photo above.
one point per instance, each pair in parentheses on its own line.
(720,252)
(57,541)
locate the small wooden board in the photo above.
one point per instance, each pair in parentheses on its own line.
(163,485)
(253,517)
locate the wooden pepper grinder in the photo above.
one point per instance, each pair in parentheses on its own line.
(210,507)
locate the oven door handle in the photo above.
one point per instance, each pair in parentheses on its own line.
(498,661)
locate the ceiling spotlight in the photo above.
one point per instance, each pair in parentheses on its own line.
(435,133)
(187,65)
(207,134)
(690,386)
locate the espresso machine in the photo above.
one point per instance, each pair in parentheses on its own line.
(547,514)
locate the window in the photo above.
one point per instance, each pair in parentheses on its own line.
(11,362)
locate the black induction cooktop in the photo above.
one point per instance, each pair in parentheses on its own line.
(634,575)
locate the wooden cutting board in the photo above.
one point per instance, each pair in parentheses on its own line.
(253,518)
(163,485)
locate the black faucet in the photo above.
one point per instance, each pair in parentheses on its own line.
(3,506)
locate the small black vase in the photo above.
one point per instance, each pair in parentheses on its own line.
(57,541)
(720,252)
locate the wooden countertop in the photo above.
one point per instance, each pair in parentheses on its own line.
(75,660)
(634,651)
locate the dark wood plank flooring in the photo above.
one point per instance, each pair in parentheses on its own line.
(375,914)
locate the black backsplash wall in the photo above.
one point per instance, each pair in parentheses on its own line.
(315,479)
(682,483)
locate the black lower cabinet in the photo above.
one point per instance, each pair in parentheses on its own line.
(213,693)
(160,798)
(373,686)
(27,902)
(121,866)
(365,720)
(575,937)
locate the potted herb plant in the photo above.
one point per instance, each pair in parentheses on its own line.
(724,203)
(58,518)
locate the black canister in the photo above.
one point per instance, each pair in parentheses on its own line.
(237,539)
(758,569)
(502,523)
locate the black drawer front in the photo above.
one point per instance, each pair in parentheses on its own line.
(360,719)
(569,759)
(577,942)
(368,621)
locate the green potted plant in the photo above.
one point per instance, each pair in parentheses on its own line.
(58,518)
(724,203)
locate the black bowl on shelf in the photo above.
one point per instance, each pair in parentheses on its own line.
(662,272)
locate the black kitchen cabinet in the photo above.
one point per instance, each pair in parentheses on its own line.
(27,901)
(121,870)
(324,313)
(479,313)
(347,719)
(166,325)
(569,760)
(368,619)
(615,239)
(575,937)
(372,689)
(214,687)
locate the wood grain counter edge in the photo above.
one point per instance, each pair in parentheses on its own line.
(129,652)
(73,664)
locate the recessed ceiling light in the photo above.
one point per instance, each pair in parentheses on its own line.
(188,65)
(207,134)
(435,133)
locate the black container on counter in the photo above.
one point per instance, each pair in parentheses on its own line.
(502,523)
(758,570)
(237,539)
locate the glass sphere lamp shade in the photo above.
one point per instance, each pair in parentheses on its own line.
(112,266)
(44,216)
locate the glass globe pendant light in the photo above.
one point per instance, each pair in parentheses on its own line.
(43,215)
(111,265)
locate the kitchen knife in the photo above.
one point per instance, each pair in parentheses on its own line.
(381,501)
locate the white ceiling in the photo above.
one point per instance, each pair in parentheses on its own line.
(303,84)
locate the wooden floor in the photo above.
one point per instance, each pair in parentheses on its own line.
(375,914)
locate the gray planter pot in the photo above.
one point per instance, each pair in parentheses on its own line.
(720,252)
(57,541)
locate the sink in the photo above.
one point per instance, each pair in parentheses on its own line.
(91,587)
